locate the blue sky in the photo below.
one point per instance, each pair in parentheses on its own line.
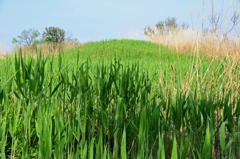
(92,20)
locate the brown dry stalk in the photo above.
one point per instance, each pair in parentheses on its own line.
(213,43)
(183,41)
(46,48)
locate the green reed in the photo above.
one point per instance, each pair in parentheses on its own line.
(52,109)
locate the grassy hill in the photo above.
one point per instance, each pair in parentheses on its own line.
(114,99)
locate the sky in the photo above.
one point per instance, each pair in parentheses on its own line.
(92,20)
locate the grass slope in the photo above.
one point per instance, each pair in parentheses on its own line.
(67,107)
(148,55)
(145,53)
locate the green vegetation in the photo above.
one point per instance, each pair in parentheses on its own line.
(167,25)
(54,35)
(27,38)
(114,99)
(130,51)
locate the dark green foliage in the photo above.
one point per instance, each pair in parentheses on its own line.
(54,35)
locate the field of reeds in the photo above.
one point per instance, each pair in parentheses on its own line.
(167,97)
(48,48)
(114,99)
(216,37)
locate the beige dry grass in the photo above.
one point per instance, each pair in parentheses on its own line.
(212,44)
(47,48)
(188,40)
(217,43)
(2,56)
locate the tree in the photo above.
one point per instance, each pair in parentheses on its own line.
(54,35)
(166,25)
(214,20)
(160,25)
(148,31)
(184,25)
(235,21)
(27,37)
(171,23)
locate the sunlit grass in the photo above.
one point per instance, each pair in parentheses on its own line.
(86,103)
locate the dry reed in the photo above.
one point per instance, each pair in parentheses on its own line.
(213,42)
(47,48)
(188,40)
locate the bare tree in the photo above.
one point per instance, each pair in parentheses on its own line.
(235,21)
(68,38)
(27,37)
(214,20)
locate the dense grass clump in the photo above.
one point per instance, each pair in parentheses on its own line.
(80,105)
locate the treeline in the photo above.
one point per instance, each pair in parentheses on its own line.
(51,35)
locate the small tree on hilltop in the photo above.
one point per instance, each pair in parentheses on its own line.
(148,31)
(27,37)
(171,23)
(54,35)
(160,25)
(164,26)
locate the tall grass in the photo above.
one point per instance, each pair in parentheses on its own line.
(219,45)
(208,43)
(48,48)
(200,75)
(52,109)
(214,42)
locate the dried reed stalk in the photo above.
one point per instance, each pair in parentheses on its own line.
(213,43)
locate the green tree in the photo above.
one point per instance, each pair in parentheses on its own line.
(54,35)
(27,37)
(162,26)
(148,31)
(171,23)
